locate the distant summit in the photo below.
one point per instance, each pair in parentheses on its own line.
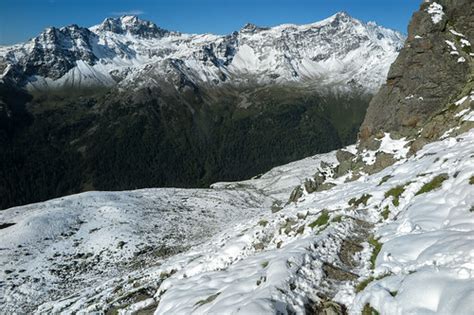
(130,24)
(251,28)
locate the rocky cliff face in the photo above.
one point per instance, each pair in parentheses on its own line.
(55,51)
(433,69)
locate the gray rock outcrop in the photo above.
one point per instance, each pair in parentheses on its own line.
(431,70)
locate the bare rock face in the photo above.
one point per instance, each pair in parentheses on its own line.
(56,51)
(133,25)
(431,70)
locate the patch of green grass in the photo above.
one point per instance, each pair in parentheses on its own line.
(264,264)
(363,284)
(384,179)
(369,310)
(451,108)
(263,223)
(435,183)
(375,252)
(337,219)
(471,180)
(466,49)
(323,219)
(385,213)
(362,200)
(396,192)
(209,299)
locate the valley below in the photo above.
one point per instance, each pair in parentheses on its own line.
(104,140)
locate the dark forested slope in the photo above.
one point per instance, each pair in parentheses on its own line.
(68,141)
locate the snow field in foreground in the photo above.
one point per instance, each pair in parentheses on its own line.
(261,262)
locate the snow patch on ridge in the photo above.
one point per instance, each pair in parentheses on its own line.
(436,11)
(396,147)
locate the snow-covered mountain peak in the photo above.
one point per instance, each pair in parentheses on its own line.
(339,53)
(334,21)
(252,28)
(130,24)
(55,51)
(341,16)
(53,35)
(130,20)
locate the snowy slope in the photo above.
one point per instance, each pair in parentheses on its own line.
(415,253)
(339,51)
(64,245)
(377,240)
(67,244)
(280,181)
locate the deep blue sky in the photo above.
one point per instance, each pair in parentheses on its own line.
(23,19)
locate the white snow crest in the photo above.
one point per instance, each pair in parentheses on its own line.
(436,11)
(456,33)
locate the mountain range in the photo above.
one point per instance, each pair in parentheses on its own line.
(129,52)
(383,225)
(126,104)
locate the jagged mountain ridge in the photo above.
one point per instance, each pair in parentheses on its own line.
(128,51)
